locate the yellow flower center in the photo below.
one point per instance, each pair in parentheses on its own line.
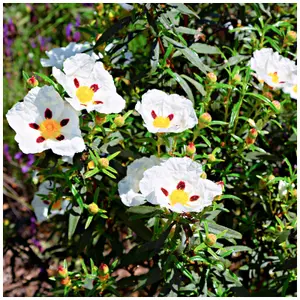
(274,76)
(50,129)
(57,205)
(179,196)
(261,80)
(295,88)
(84,94)
(161,122)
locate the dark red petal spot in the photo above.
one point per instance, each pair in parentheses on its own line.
(98,102)
(64,122)
(221,183)
(166,193)
(40,139)
(94,87)
(46,202)
(153,114)
(281,81)
(60,137)
(194,198)
(171,116)
(48,113)
(181,185)
(34,126)
(76,83)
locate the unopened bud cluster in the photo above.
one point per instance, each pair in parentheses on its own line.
(251,137)
(204,120)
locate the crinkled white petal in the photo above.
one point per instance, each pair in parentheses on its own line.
(129,186)
(292,87)
(40,208)
(282,188)
(57,56)
(184,116)
(32,110)
(83,69)
(162,179)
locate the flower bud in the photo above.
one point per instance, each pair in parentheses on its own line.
(119,121)
(294,193)
(211,157)
(190,149)
(271,177)
(62,272)
(222,144)
(277,104)
(103,269)
(237,78)
(104,162)
(66,281)
(253,133)
(221,184)
(210,239)
(204,120)
(93,208)
(100,119)
(268,95)
(251,123)
(291,35)
(249,141)
(32,82)
(91,165)
(203,175)
(212,77)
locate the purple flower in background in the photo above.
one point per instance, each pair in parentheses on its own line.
(43,42)
(29,163)
(71,34)
(6,152)
(18,155)
(9,34)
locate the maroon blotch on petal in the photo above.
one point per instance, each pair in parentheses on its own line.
(34,126)
(181,185)
(40,139)
(194,198)
(60,137)
(76,82)
(64,122)
(48,113)
(98,102)
(166,193)
(94,87)
(153,114)
(171,116)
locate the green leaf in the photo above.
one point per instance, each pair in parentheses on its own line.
(111,31)
(96,195)
(84,267)
(215,229)
(186,30)
(109,174)
(183,84)
(155,58)
(47,79)
(25,75)
(88,222)
(77,196)
(73,221)
(204,48)
(91,173)
(235,112)
(264,99)
(234,249)
(234,60)
(207,142)
(143,209)
(196,84)
(110,157)
(185,10)
(231,277)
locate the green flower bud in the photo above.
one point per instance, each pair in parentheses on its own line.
(204,120)
(119,121)
(212,77)
(104,162)
(210,239)
(253,133)
(211,157)
(32,82)
(93,208)
(277,104)
(190,149)
(62,272)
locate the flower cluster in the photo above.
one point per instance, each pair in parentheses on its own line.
(275,70)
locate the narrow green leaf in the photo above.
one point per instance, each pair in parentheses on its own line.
(204,48)
(112,156)
(196,84)
(143,209)
(235,112)
(91,173)
(109,174)
(264,99)
(215,228)
(47,79)
(73,221)
(77,196)
(88,222)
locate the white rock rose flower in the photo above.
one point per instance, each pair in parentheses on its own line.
(129,189)
(272,68)
(166,113)
(41,206)
(89,85)
(44,121)
(57,56)
(283,188)
(176,185)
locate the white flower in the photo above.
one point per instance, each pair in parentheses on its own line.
(57,56)
(272,68)
(283,188)
(129,185)
(44,121)
(176,185)
(41,206)
(166,113)
(291,87)
(89,85)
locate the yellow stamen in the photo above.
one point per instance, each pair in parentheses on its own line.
(261,80)
(295,88)
(50,129)
(274,76)
(56,205)
(84,94)
(179,196)
(161,122)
